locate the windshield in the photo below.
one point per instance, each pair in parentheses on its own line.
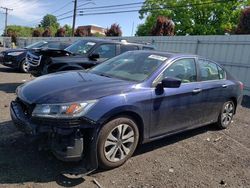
(80,47)
(36,45)
(133,66)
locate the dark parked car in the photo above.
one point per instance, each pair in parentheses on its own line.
(16,58)
(102,114)
(82,54)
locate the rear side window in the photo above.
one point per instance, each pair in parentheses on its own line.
(125,48)
(183,69)
(208,70)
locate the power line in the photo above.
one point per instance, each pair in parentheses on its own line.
(149,9)
(39,19)
(73,10)
(111,6)
(62,7)
(6,18)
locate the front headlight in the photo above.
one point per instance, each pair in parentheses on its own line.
(71,110)
(14,53)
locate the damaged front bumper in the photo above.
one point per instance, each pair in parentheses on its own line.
(69,140)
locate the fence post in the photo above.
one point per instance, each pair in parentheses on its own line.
(197,46)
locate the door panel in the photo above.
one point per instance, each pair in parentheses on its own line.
(213,89)
(175,109)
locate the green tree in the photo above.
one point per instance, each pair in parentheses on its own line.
(50,21)
(20,31)
(68,30)
(193,17)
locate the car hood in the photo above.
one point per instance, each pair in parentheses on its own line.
(70,86)
(72,59)
(15,50)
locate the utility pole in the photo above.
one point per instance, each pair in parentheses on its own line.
(6,18)
(74,17)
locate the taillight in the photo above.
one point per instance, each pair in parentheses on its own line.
(241,86)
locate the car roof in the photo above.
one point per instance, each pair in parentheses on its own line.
(101,40)
(167,54)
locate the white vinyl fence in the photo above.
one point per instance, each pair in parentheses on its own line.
(231,51)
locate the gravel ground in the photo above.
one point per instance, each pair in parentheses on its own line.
(205,157)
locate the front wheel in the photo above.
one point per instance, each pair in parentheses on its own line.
(226,115)
(117,142)
(24,66)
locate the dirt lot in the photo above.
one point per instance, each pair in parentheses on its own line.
(205,157)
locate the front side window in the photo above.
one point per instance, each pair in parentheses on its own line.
(208,70)
(183,69)
(131,66)
(106,50)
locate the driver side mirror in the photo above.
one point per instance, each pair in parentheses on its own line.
(171,82)
(94,56)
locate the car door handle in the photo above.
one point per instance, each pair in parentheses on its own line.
(224,86)
(198,90)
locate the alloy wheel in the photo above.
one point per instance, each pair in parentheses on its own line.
(227,114)
(25,66)
(119,143)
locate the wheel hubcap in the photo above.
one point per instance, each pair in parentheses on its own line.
(119,143)
(25,67)
(227,114)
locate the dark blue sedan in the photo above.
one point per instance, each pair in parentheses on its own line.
(102,114)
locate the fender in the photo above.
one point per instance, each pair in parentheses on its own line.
(125,110)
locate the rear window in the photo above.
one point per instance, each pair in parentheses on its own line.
(125,48)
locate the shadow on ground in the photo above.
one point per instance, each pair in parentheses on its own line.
(9,87)
(21,161)
(7,69)
(246,101)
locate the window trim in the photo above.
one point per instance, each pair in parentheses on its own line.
(156,80)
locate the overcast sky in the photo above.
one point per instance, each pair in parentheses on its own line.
(30,12)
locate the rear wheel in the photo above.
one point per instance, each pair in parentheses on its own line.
(117,142)
(226,115)
(24,66)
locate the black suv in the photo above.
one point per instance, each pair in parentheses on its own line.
(15,58)
(82,54)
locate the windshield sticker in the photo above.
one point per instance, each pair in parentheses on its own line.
(91,43)
(157,57)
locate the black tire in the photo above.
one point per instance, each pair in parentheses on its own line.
(226,115)
(121,145)
(23,66)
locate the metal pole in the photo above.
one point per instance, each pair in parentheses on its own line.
(6,19)
(74,17)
